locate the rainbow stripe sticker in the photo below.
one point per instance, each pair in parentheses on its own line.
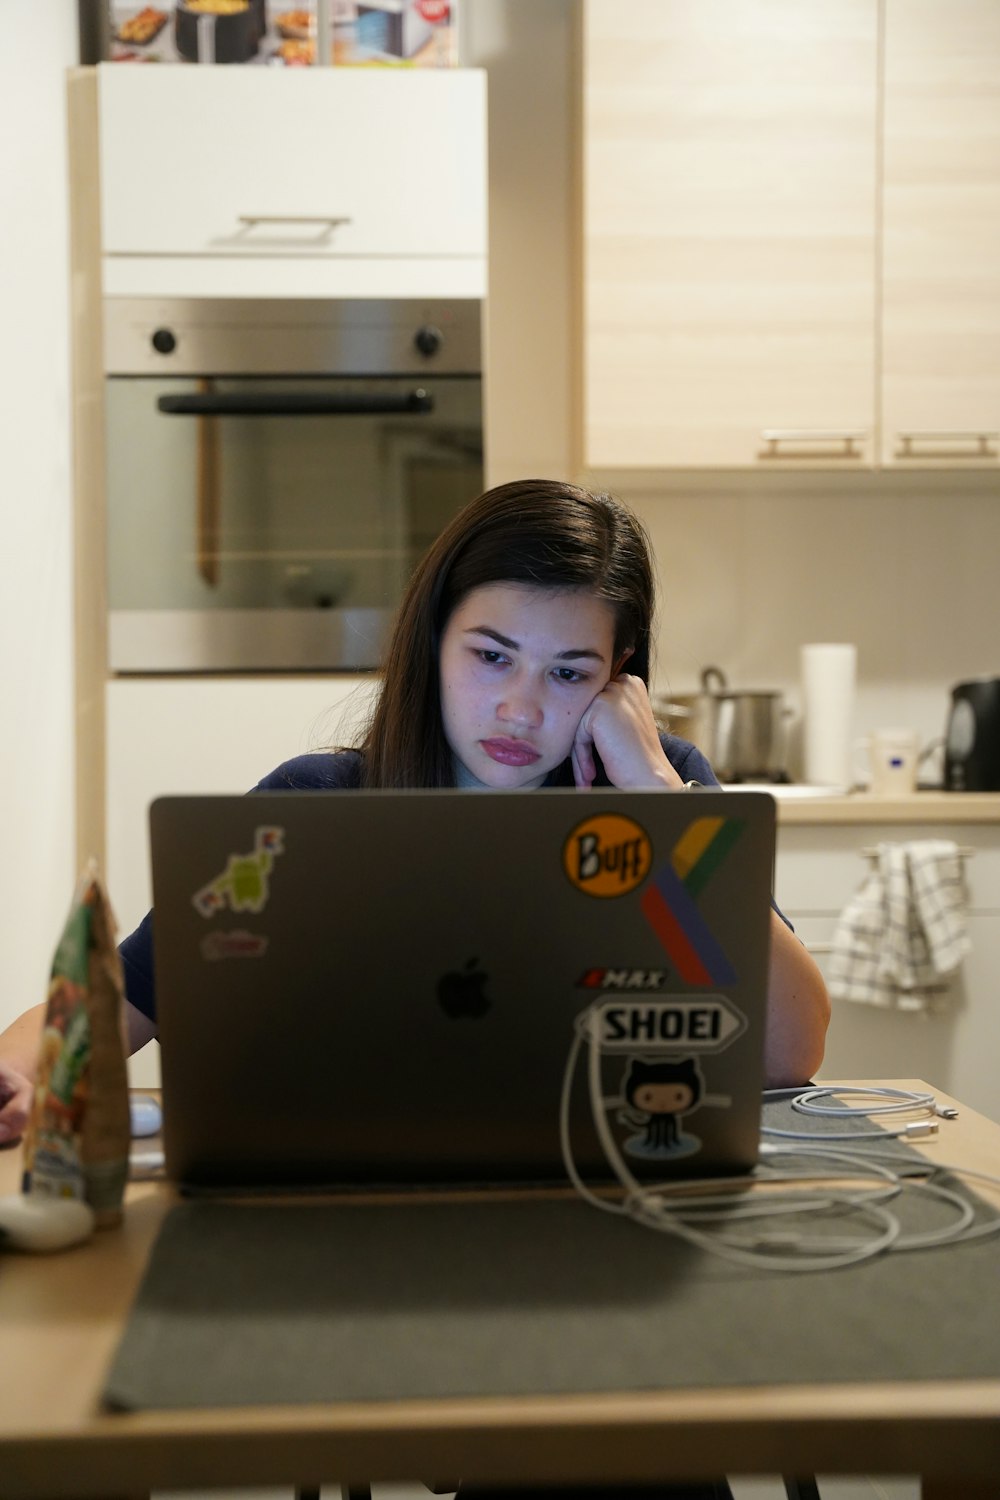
(669,901)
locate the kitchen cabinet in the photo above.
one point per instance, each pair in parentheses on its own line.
(729,232)
(819,868)
(202,735)
(264,182)
(941,239)
(791,234)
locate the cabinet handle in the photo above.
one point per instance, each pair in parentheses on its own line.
(328,222)
(952,440)
(773,437)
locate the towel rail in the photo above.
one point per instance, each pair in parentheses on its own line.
(870,851)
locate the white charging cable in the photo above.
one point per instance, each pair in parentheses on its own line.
(892,1102)
(707,1212)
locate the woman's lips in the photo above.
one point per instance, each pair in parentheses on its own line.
(510,752)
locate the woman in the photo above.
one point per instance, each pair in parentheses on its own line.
(520,658)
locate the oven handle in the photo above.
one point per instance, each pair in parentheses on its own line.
(294,404)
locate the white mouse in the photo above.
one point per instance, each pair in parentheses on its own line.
(34,1222)
(145,1115)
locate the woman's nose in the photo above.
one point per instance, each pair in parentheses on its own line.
(523,710)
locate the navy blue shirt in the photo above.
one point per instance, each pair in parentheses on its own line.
(341,771)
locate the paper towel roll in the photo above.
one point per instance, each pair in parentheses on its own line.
(828,677)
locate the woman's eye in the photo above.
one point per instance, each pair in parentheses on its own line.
(491,658)
(567,674)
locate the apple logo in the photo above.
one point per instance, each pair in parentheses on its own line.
(461,991)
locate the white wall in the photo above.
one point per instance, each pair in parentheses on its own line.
(36,739)
(904,565)
(528,53)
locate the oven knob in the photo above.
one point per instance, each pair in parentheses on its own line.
(428,339)
(163,341)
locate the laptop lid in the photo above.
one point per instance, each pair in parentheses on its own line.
(376,986)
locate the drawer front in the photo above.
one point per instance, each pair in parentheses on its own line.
(819,868)
(326,163)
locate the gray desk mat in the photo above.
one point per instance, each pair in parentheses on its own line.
(246,1303)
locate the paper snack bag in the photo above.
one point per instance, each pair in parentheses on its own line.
(77,1141)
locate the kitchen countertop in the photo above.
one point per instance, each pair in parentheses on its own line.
(862,807)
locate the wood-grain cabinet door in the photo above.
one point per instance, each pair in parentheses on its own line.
(729,210)
(941,235)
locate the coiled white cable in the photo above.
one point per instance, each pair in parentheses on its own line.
(700,1210)
(894,1102)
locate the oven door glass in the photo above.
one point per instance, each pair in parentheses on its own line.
(271,524)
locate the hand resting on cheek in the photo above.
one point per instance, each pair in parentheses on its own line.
(619,725)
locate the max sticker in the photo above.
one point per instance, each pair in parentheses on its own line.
(658,1095)
(243,884)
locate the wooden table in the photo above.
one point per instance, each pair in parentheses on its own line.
(61,1318)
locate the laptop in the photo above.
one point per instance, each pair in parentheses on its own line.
(442,987)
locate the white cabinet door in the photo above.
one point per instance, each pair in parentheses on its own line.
(818,870)
(941,248)
(729,232)
(206,734)
(170,735)
(242,163)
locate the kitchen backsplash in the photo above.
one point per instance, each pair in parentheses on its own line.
(754,566)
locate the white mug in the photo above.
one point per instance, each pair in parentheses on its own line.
(893,755)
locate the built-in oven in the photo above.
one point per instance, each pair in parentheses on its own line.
(274,471)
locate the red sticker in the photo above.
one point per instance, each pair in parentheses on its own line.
(434,11)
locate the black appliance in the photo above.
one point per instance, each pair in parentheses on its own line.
(972,740)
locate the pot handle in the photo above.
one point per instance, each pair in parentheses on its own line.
(713,680)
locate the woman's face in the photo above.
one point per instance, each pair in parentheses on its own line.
(519,666)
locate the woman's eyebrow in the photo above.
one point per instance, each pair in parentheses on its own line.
(504,640)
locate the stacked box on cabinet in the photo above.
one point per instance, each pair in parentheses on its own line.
(402,33)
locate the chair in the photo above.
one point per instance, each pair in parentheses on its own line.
(795,1489)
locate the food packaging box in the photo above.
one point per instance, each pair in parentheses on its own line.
(78,1136)
(272,33)
(400,33)
(277,33)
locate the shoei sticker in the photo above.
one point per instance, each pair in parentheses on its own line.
(243,885)
(669,903)
(607,855)
(682,1023)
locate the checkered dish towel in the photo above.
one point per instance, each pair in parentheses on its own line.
(904,931)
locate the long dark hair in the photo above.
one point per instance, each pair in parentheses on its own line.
(534,531)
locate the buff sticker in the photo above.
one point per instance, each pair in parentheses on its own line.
(607,855)
(244,884)
(669,904)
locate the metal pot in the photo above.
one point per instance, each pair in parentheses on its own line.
(743,734)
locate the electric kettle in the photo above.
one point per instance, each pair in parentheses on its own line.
(972,737)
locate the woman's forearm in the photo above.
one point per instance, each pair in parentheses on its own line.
(798,1010)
